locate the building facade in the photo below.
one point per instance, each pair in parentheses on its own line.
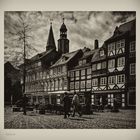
(100,76)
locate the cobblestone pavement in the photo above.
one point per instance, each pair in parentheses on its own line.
(98,120)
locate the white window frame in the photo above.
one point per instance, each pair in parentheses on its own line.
(88,84)
(102,53)
(77,73)
(121,79)
(80,62)
(121,61)
(83,84)
(112,80)
(103,81)
(111,63)
(111,47)
(82,72)
(77,85)
(95,82)
(71,85)
(99,66)
(84,61)
(88,71)
(103,65)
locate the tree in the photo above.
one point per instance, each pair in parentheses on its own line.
(21,33)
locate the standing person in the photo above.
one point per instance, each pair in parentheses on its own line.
(76,105)
(25,101)
(67,105)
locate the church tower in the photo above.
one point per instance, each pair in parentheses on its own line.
(51,42)
(63,42)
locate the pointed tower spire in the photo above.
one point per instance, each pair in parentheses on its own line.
(51,41)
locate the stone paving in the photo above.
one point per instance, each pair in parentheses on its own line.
(125,119)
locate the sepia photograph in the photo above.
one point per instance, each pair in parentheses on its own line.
(69,69)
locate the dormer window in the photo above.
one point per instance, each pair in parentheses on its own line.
(84,61)
(64,58)
(102,53)
(80,62)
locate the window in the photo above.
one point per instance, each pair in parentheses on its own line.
(84,61)
(121,61)
(45,86)
(41,75)
(39,63)
(98,66)
(77,73)
(82,72)
(56,85)
(89,71)
(64,69)
(52,85)
(112,80)
(111,63)
(103,81)
(103,65)
(72,74)
(88,84)
(101,53)
(65,82)
(120,44)
(76,85)
(59,69)
(132,69)
(132,46)
(82,84)
(121,79)
(51,72)
(111,47)
(80,62)
(72,85)
(60,84)
(95,82)
(94,67)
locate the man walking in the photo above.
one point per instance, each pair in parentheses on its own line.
(67,105)
(76,105)
(24,102)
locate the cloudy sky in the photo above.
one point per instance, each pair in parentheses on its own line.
(83,28)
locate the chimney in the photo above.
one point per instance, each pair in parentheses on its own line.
(96,44)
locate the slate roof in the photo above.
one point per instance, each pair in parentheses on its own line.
(40,55)
(87,54)
(50,41)
(65,58)
(96,55)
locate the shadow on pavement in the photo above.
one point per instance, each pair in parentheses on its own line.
(77,119)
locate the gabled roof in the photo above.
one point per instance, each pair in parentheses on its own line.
(65,58)
(128,26)
(124,28)
(40,55)
(87,54)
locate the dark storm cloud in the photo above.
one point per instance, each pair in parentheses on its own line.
(83,28)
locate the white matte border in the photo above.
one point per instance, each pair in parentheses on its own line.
(68,5)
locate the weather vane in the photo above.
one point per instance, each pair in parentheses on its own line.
(51,20)
(63,19)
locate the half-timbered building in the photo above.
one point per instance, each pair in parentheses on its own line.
(100,76)
(112,66)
